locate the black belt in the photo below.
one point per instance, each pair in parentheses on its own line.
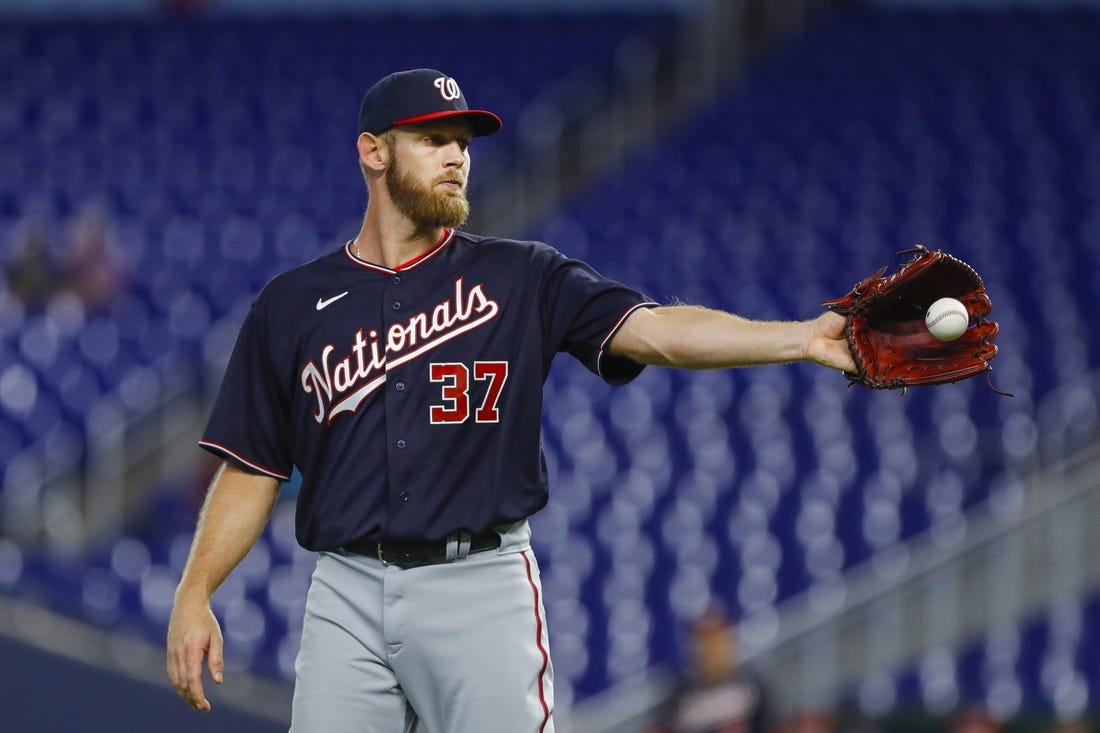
(412,554)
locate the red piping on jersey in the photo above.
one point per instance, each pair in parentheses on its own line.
(538,642)
(615,330)
(445,238)
(221,448)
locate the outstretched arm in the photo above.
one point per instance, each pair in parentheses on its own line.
(236,509)
(691,337)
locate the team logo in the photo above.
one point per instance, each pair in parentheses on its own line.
(448,88)
(341,381)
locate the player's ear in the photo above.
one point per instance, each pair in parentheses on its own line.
(374,154)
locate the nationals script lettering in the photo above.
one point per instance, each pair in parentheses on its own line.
(340,384)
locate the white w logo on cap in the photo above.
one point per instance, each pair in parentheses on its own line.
(448,88)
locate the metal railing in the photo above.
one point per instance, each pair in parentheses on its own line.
(1008,566)
(1027,549)
(128,451)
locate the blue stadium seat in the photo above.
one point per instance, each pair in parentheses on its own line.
(746,487)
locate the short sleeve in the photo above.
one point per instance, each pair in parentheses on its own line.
(250,418)
(582,310)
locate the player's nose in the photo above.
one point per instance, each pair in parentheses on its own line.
(455,155)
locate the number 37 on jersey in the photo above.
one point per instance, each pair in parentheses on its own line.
(455,403)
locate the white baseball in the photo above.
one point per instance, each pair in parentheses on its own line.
(947,319)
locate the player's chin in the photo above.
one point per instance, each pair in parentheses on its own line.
(452,217)
(448,191)
(455,211)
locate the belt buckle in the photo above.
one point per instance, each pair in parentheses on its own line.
(403,561)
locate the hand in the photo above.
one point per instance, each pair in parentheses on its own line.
(826,343)
(193,631)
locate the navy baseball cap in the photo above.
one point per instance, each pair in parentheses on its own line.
(419,95)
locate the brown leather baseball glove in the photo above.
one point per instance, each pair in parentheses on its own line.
(886,331)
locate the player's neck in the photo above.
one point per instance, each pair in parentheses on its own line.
(392,240)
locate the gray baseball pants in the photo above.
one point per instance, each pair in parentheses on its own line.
(459,647)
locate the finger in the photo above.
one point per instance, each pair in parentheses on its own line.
(170,664)
(179,679)
(214,659)
(195,696)
(177,669)
(193,679)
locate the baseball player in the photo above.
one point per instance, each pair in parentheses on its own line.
(402,374)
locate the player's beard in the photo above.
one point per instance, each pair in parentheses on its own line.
(423,205)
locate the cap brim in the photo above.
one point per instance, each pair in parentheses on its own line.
(482,122)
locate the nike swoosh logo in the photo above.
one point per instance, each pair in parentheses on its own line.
(323,303)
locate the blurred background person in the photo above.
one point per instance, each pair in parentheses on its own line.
(974,720)
(33,276)
(94,270)
(715,694)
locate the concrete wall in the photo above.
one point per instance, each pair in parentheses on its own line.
(48,693)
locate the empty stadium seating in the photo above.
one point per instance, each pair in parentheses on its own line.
(219,153)
(857,141)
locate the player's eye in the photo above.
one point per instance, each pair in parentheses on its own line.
(443,140)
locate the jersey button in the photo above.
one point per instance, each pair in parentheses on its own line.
(404,496)
(396,279)
(401,444)
(397,305)
(400,386)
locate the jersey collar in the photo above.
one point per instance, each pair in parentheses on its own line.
(446,238)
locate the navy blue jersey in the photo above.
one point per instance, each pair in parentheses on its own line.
(411,399)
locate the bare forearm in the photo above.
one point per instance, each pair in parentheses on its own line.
(233,516)
(698,338)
